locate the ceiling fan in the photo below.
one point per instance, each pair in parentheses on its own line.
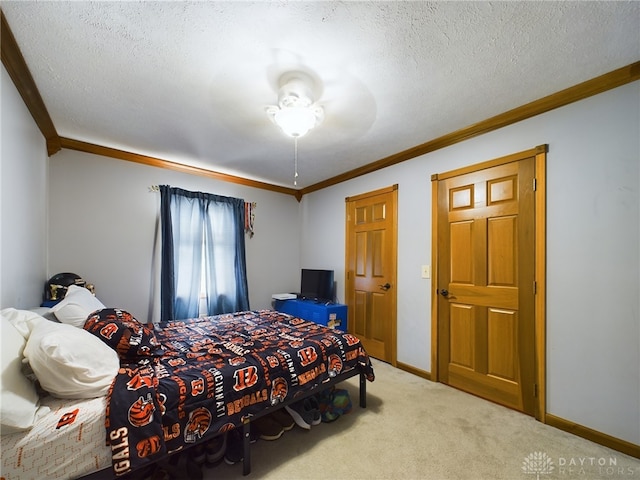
(329,108)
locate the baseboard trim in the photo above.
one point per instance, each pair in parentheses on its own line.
(593,435)
(414,370)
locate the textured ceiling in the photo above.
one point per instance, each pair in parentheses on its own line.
(189,81)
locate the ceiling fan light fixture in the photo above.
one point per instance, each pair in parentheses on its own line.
(296,112)
(295,121)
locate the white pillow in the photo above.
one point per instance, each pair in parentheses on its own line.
(76,306)
(19,402)
(23,320)
(70,362)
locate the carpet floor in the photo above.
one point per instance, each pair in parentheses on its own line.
(413,428)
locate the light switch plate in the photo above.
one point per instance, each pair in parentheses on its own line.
(426,271)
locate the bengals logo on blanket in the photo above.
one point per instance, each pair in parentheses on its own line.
(235,361)
(148,446)
(198,424)
(335,365)
(273,361)
(227,427)
(279,390)
(197,387)
(245,378)
(351,339)
(326,342)
(109,330)
(141,411)
(139,380)
(307,356)
(162,403)
(175,362)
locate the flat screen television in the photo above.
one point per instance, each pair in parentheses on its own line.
(317,285)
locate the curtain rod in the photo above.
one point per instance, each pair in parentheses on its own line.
(156,188)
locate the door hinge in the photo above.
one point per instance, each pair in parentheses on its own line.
(535,184)
(535,390)
(535,287)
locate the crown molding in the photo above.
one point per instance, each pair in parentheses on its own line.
(13,61)
(87,147)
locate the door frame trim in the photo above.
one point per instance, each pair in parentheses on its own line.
(540,154)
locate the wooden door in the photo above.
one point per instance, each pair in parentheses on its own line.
(486,282)
(371,232)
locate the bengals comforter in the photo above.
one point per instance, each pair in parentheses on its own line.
(194,379)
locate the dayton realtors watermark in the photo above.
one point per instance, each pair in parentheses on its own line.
(543,466)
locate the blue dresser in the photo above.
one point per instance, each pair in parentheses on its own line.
(333,315)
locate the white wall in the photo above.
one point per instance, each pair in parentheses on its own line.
(23,202)
(103,225)
(593,246)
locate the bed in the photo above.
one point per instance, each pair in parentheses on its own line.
(176,386)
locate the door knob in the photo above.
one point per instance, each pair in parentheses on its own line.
(386,286)
(444,292)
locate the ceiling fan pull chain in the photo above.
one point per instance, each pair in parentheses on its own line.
(295,161)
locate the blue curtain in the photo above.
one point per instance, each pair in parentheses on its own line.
(203,254)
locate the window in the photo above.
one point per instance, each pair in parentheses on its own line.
(203,254)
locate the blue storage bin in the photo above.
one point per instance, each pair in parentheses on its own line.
(333,315)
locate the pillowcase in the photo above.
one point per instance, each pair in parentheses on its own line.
(132,340)
(23,320)
(70,363)
(76,306)
(19,402)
